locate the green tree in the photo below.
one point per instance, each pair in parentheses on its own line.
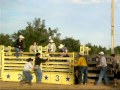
(5,40)
(117,50)
(96,49)
(36,32)
(72,44)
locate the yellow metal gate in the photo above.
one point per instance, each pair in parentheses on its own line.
(56,70)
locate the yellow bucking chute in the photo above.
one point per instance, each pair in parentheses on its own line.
(84,49)
(56,69)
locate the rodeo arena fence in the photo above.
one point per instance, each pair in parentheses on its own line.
(56,70)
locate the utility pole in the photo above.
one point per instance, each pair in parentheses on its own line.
(112,27)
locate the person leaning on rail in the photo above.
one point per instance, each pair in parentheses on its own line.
(37,69)
(103,69)
(82,69)
(115,69)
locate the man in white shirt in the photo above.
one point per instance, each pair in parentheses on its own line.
(26,72)
(34,48)
(103,69)
(51,46)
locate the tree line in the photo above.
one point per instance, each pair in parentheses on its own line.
(36,31)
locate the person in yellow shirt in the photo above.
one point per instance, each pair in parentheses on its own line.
(82,69)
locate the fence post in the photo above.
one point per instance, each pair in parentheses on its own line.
(40,49)
(73,64)
(2,59)
(9,50)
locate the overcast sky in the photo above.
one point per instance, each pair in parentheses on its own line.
(86,20)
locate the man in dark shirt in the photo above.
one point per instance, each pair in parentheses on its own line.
(115,69)
(38,71)
(19,45)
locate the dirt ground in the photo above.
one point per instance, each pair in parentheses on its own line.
(34,86)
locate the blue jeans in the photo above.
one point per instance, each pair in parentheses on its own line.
(103,75)
(38,74)
(83,70)
(27,75)
(17,52)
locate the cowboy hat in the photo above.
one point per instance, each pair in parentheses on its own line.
(51,40)
(101,53)
(21,36)
(61,46)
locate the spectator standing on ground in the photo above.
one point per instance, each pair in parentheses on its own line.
(82,69)
(38,72)
(27,72)
(103,69)
(19,45)
(115,69)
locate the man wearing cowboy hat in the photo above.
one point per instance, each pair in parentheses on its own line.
(19,45)
(51,46)
(61,47)
(103,69)
(82,69)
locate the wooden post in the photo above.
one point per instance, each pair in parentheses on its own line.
(112,28)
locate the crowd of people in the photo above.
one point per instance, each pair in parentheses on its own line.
(34,47)
(81,63)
